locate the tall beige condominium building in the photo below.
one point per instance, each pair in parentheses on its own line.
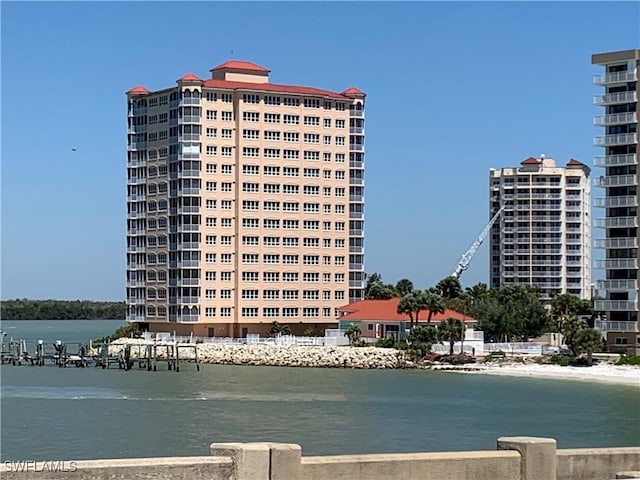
(620,202)
(245,204)
(542,237)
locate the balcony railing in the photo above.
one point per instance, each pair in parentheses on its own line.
(617,263)
(622,201)
(356,130)
(136,248)
(356,266)
(134,146)
(616,222)
(189,137)
(356,249)
(188,300)
(184,318)
(356,113)
(356,147)
(356,215)
(618,139)
(617,181)
(356,198)
(356,164)
(616,77)
(608,326)
(137,163)
(136,215)
(190,101)
(136,283)
(629,242)
(618,284)
(617,306)
(136,231)
(136,180)
(188,119)
(356,181)
(616,160)
(611,98)
(615,119)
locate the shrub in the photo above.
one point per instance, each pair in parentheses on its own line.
(124,331)
(628,360)
(562,360)
(402,345)
(385,343)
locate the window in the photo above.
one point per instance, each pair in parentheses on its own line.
(339,260)
(339,243)
(250,169)
(327,123)
(271,223)
(250,152)
(210,311)
(290,259)
(249,276)
(291,119)
(226,169)
(271,135)
(249,258)
(248,187)
(271,188)
(326,243)
(290,171)
(210,239)
(250,134)
(311,172)
(311,207)
(308,155)
(290,242)
(271,171)
(227,116)
(225,294)
(326,312)
(225,240)
(208,293)
(210,258)
(340,209)
(272,241)
(311,260)
(326,139)
(311,277)
(225,258)
(212,96)
(339,277)
(291,102)
(340,106)
(290,224)
(312,103)
(339,123)
(290,206)
(310,294)
(326,157)
(291,137)
(249,294)
(311,225)
(313,121)
(270,100)
(210,186)
(310,242)
(326,260)
(211,150)
(272,206)
(271,118)
(311,138)
(271,276)
(271,294)
(225,312)
(339,140)
(291,154)
(250,116)
(339,295)
(249,240)
(289,312)
(311,190)
(290,189)
(340,226)
(290,295)
(249,311)
(225,223)
(250,98)
(339,157)
(248,205)
(226,151)
(271,153)
(250,223)
(227,98)
(212,115)
(226,204)
(339,192)
(326,295)
(271,258)
(210,276)
(212,168)
(290,277)
(326,226)
(210,221)
(326,277)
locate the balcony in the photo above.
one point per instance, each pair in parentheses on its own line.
(189,101)
(356,164)
(622,201)
(616,222)
(136,231)
(136,197)
(356,249)
(356,181)
(188,119)
(187,300)
(356,198)
(358,267)
(605,326)
(616,77)
(616,160)
(135,146)
(186,191)
(183,318)
(618,139)
(617,264)
(137,163)
(136,180)
(136,301)
(353,113)
(356,130)
(617,306)
(356,284)
(136,283)
(136,249)
(133,129)
(617,181)
(136,215)
(621,285)
(356,147)
(137,111)
(187,264)
(356,232)
(629,242)
(615,119)
(356,215)
(613,98)
(189,137)
(189,156)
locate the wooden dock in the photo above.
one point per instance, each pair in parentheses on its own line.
(125,356)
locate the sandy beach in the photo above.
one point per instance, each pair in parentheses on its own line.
(622,375)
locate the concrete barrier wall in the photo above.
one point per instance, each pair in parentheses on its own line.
(174,468)
(481,465)
(597,463)
(516,458)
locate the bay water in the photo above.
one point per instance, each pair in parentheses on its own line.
(74,413)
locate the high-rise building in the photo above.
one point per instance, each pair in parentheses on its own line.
(542,237)
(245,204)
(620,202)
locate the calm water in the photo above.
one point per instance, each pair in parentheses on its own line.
(77,414)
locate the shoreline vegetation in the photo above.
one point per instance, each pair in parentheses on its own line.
(25,309)
(390,358)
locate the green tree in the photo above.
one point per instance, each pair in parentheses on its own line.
(403,287)
(353,333)
(278,328)
(450,330)
(421,339)
(376,290)
(587,341)
(449,287)
(412,304)
(434,303)
(570,327)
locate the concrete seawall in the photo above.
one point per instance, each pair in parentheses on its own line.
(516,458)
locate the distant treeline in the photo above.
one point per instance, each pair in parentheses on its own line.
(61,310)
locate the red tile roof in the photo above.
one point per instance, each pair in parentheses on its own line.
(530,161)
(387,311)
(270,87)
(138,89)
(241,65)
(189,77)
(573,161)
(353,91)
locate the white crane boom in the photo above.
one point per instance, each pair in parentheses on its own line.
(466,258)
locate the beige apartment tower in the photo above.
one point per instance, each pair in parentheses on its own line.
(542,237)
(619,181)
(245,204)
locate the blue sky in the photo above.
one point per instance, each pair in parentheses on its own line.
(453,89)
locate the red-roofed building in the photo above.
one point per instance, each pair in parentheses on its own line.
(380,318)
(232,165)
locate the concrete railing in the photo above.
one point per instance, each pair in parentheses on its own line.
(516,458)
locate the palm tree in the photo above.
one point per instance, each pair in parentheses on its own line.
(403,287)
(278,328)
(450,330)
(353,333)
(588,341)
(434,303)
(449,287)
